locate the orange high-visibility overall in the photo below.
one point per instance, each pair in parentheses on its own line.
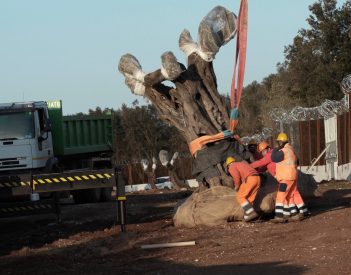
(246,182)
(288,196)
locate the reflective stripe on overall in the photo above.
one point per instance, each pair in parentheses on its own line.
(247,193)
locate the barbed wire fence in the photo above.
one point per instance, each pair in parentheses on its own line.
(327,109)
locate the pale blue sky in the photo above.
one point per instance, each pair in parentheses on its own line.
(70,50)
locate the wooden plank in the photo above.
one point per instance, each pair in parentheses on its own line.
(322,141)
(313,140)
(339,139)
(345,147)
(301,140)
(348,136)
(318,139)
(305,159)
(163,245)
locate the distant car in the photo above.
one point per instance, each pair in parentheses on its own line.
(162,179)
(164,183)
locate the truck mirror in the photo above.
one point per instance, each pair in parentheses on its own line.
(47,126)
(41,139)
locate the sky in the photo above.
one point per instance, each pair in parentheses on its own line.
(70,50)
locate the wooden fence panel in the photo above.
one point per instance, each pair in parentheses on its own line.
(312,141)
(344,138)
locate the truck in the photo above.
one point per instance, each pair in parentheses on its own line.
(44,154)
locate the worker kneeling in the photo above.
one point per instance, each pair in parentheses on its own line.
(246,182)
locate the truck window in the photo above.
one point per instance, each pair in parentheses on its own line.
(16,125)
(42,119)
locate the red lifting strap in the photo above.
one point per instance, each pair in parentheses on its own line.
(236,92)
(241,45)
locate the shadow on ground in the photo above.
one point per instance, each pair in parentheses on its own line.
(39,230)
(91,259)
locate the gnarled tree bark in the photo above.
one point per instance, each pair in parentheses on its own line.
(194,106)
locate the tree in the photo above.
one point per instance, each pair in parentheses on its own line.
(99,111)
(320,57)
(193,105)
(140,134)
(250,109)
(195,108)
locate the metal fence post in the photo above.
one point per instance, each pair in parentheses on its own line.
(121,199)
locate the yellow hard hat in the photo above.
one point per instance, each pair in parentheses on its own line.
(229,160)
(263,145)
(282,137)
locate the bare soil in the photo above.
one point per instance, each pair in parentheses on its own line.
(89,242)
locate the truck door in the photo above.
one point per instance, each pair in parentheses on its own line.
(43,147)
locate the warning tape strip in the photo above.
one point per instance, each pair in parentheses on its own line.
(58,180)
(25,208)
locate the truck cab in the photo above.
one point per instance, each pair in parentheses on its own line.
(25,136)
(43,151)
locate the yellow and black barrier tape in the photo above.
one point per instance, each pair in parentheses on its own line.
(14,184)
(34,207)
(59,179)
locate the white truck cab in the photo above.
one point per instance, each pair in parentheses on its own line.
(25,136)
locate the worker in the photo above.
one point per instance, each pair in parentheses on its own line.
(288,196)
(246,183)
(265,163)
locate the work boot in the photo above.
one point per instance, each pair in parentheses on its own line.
(304,215)
(253,215)
(278,220)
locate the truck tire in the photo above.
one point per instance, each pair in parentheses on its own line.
(78,196)
(87,195)
(106,194)
(92,195)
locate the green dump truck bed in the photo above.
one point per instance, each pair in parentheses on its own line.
(79,134)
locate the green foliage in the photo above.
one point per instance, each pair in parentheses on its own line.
(99,111)
(320,56)
(250,107)
(141,134)
(315,63)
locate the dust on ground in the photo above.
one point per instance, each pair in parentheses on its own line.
(89,241)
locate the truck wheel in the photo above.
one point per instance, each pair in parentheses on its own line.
(106,194)
(78,196)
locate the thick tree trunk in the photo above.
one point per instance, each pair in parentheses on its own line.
(194,105)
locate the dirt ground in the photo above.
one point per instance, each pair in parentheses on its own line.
(89,242)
